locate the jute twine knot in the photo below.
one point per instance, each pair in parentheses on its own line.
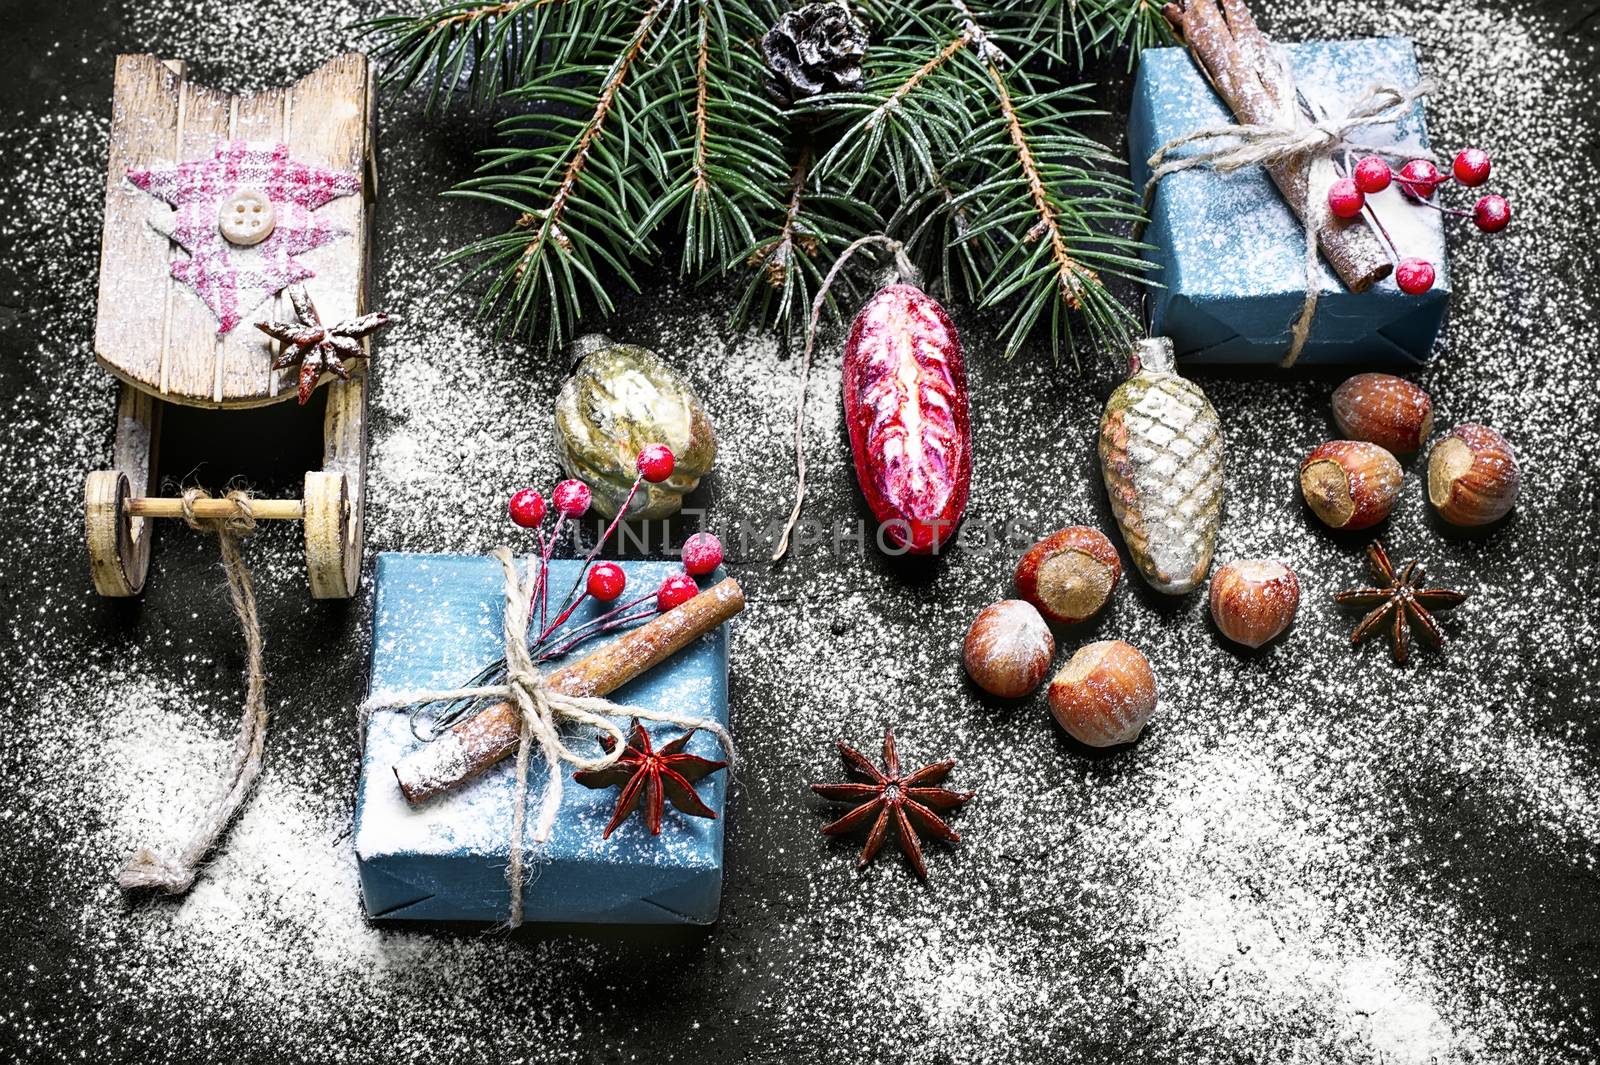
(1294,142)
(173,870)
(541,711)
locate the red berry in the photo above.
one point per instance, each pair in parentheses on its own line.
(527,508)
(1414,276)
(1471,167)
(606,581)
(1491,213)
(571,498)
(656,463)
(1372,175)
(675,591)
(1344,199)
(1419,178)
(702,553)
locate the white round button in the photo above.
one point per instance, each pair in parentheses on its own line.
(246,217)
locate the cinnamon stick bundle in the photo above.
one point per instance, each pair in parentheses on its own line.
(484,739)
(1238,60)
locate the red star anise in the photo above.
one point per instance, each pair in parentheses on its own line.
(316,347)
(907,800)
(1399,601)
(668,773)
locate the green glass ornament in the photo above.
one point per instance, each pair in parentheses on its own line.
(620,398)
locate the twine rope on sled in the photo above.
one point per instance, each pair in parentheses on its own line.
(1237,146)
(173,871)
(541,711)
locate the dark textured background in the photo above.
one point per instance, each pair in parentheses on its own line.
(785,973)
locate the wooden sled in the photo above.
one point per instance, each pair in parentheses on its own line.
(161,340)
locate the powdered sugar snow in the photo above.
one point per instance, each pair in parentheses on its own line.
(1310,856)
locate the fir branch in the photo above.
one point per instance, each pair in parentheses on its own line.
(732,169)
(776,257)
(1096,27)
(649,121)
(489,48)
(551,217)
(951,152)
(1071,276)
(581,185)
(897,123)
(786,265)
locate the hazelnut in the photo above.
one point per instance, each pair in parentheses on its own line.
(1105,694)
(1350,484)
(1254,599)
(1070,574)
(1472,476)
(1385,410)
(1008,649)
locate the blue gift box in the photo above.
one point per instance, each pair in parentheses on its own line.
(1232,253)
(436,622)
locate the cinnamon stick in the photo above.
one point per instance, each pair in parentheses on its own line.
(490,735)
(1238,60)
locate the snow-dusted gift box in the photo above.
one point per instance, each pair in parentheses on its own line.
(436,622)
(1231,252)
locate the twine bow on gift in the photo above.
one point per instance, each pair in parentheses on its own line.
(1294,142)
(541,711)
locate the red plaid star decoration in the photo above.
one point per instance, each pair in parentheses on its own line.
(234,280)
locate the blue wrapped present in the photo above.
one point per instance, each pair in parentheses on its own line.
(436,622)
(1232,253)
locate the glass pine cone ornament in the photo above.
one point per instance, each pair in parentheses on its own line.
(1161,457)
(620,399)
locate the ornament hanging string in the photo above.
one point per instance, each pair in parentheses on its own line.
(541,711)
(173,872)
(1239,146)
(908,273)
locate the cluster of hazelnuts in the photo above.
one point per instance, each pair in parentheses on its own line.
(1353,483)
(1419,180)
(1106,693)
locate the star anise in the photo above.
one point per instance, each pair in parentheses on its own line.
(905,800)
(668,773)
(1399,601)
(316,347)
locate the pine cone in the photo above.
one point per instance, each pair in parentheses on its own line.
(814,49)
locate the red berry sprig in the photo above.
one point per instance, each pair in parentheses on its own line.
(1419,180)
(603,582)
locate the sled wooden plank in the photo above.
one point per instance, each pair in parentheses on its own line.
(189,367)
(156,333)
(330,125)
(244,361)
(130,324)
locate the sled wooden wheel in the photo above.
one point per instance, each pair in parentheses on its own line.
(119,555)
(119,541)
(334,495)
(333,554)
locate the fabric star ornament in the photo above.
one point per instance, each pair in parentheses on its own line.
(231,278)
